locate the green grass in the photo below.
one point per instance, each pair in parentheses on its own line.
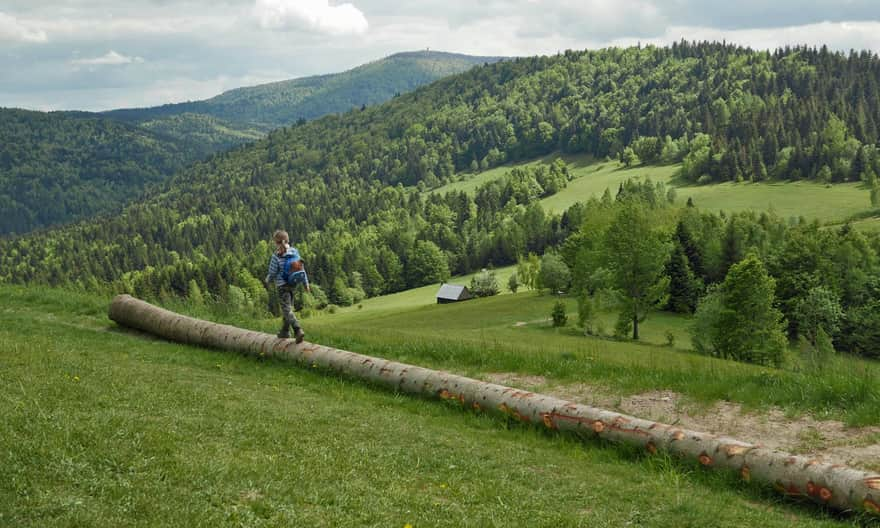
(469,182)
(105,427)
(592,180)
(826,203)
(512,333)
(832,204)
(423,296)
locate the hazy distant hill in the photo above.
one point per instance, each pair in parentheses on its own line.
(277,104)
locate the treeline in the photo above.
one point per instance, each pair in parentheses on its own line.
(358,239)
(58,167)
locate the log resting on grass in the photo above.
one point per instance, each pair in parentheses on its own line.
(837,486)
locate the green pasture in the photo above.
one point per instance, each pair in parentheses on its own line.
(513,334)
(424,295)
(468,182)
(832,204)
(813,201)
(107,427)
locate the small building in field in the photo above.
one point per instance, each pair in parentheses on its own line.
(449,293)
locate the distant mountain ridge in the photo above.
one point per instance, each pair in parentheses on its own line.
(268,106)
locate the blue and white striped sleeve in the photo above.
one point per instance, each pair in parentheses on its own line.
(273,268)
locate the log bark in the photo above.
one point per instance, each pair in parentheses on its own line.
(836,486)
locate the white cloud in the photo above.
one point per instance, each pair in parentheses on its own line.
(193,49)
(111,58)
(147,93)
(13,30)
(316,15)
(593,19)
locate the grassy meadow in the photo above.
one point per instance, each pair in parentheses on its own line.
(832,204)
(108,427)
(512,333)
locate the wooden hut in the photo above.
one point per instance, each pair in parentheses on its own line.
(449,293)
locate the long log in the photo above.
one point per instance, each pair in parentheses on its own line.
(836,486)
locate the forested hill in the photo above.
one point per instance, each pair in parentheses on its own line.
(726,112)
(57,167)
(269,106)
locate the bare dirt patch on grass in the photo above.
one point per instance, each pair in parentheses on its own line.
(825,440)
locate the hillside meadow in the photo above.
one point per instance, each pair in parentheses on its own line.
(107,427)
(831,204)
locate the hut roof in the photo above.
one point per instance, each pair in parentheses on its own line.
(453,291)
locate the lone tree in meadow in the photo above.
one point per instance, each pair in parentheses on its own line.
(738,321)
(484,284)
(554,274)
(636,254)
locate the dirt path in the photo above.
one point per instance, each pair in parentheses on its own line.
(826,440)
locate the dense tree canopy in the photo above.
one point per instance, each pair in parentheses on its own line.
(57,167)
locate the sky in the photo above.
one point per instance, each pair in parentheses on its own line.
(104,54)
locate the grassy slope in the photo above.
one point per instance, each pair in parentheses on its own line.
(488,335)
(104,427)
(811,200)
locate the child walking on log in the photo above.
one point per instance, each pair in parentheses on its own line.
(286,270)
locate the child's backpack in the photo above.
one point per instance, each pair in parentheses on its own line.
(292,270)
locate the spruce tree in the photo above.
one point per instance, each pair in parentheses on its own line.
(750,328)
(684,286)
(692,250)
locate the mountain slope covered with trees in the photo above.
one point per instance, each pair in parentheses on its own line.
(269,106)
(57,167)
(343,185)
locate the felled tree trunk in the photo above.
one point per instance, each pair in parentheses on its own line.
(837,486)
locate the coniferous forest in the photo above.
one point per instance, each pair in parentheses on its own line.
(348,189)
(57,167)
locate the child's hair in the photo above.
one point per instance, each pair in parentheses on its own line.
(280,236)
